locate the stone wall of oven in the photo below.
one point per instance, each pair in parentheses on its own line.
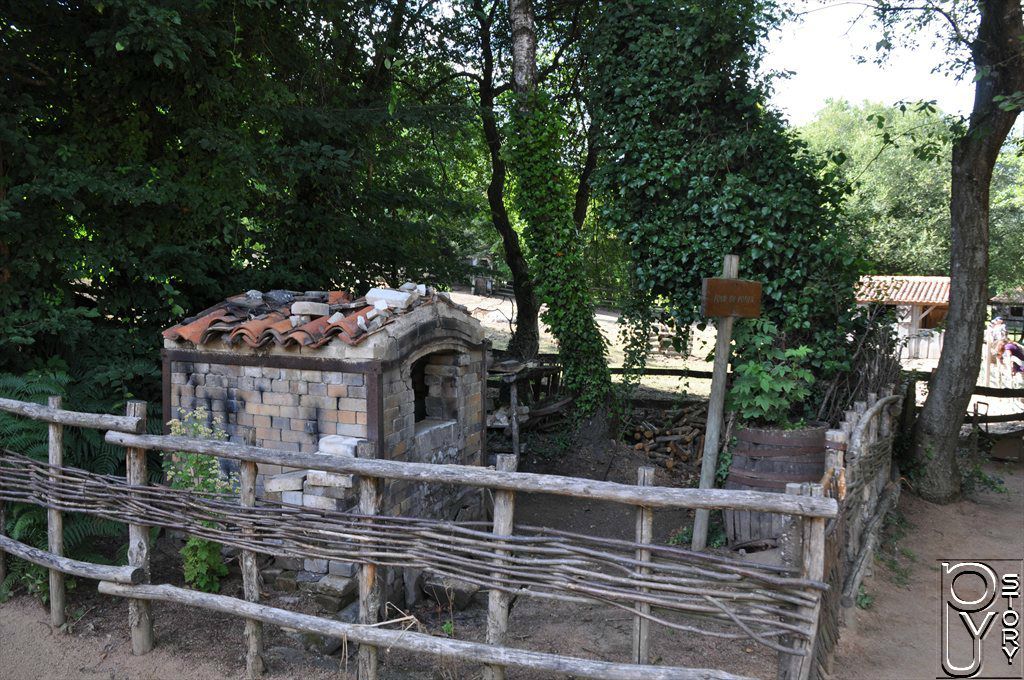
(275,408)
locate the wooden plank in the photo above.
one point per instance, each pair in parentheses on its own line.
(498,601)
(140,616)
(1005,418)
(369,587)
(99,572)
(644,534)
(730,297)
(470,475)
(551,664)
(254,666)
(96,421)
(55,522)
(716,408)
(1002,392)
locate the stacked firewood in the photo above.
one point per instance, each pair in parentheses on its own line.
(670,437)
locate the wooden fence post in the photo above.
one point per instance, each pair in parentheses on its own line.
(140,617)
(513,421)
(3,555)
(716,406)
(251,578)
(369,588)
(872,428)
(55,522)
(811,556)
(497,600)
(644,533)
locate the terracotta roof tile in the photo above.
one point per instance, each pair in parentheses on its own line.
(262,319)
(904,290)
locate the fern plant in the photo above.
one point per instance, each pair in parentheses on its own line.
(83,448)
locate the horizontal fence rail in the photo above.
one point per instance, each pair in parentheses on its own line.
(649,496)
(99,572)
(94,421)
(417,642)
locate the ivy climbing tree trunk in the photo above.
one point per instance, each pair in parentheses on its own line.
(525,341)
(998,54)
(546,200)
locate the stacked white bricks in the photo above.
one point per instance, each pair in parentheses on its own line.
(323,490)
(276,408)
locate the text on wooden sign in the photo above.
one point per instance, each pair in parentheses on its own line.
(731,297)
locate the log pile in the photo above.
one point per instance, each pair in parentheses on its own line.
(670,437)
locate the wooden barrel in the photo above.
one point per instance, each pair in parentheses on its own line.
(765,459)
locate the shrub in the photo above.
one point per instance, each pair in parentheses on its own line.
(203,564)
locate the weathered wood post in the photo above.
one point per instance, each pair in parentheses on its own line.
(513,420)
(725,299)
(369,587)
(140,616)
(644,533)
(497,600)
(55,521)
(805,549)
(254,666)
(3,555)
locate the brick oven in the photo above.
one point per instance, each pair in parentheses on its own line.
(397,374)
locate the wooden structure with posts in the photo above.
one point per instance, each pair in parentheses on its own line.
(861,478)
(659,585)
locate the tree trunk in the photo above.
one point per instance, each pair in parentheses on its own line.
(524,46)
(998,54)
(525,341)
(549,210)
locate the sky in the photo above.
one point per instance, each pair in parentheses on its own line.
(821,49)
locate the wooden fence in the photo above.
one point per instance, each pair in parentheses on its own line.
(861,478)
(662,585)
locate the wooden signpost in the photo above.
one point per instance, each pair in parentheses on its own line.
(727,298)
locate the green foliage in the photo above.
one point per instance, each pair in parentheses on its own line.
(864,600)
(971,462)
(696,166)
(724,463)
(544,198)
(203,564)
(161,155)
(84,449)
(770,386)
(898,161)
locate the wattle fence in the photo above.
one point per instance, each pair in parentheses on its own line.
(719,596)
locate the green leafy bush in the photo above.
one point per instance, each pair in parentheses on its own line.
(772,383)
(203,564)
(697,165)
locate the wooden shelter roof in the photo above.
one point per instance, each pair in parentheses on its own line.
(904,290)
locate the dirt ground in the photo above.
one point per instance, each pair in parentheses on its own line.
(897,637)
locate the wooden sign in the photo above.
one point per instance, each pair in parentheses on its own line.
(730,297)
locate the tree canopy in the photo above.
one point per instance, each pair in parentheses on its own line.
(897,162)
(159,156)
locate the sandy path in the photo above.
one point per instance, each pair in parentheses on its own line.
(898,637)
